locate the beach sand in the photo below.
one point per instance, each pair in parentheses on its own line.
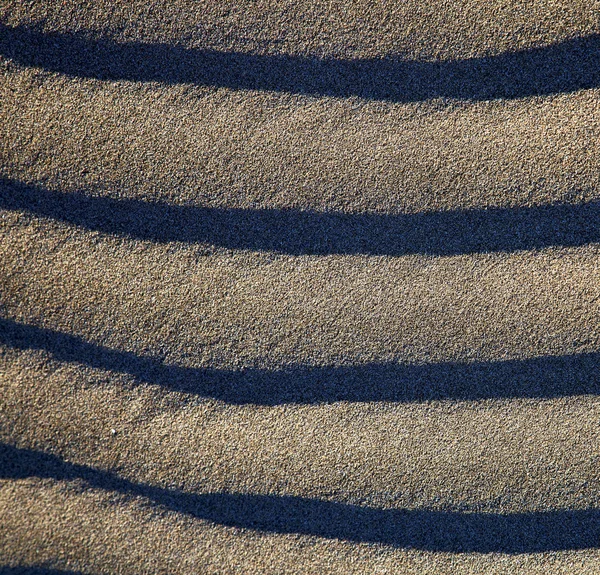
(300,287)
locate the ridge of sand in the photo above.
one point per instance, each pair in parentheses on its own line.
(263,311)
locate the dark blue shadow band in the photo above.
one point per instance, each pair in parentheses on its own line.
(297,232)
(564,67)
(544,377)
(452,532)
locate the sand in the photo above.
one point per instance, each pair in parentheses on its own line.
(299,288)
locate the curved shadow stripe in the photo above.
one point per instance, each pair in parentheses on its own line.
(316,233)
(427,530)
(564,67)
(539,377)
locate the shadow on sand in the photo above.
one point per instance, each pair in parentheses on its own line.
(563,67)
(454,532)
(316,233)
(543,377)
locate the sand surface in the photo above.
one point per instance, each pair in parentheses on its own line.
(294,287)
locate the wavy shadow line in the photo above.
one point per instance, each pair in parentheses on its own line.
(567,66)
(544,377)
(418,529)
(316,233)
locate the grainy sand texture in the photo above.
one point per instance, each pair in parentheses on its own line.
(300,287)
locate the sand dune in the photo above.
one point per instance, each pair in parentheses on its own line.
(296,288)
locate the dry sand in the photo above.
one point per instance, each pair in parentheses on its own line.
(266,313)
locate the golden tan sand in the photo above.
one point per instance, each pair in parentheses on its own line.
(300,288)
